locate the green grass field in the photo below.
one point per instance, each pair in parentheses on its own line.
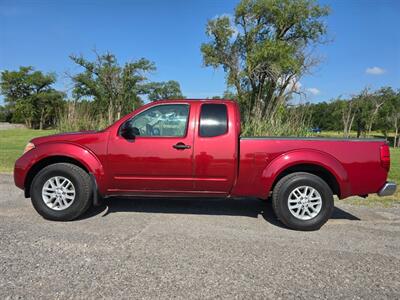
(12,144)
(13,141)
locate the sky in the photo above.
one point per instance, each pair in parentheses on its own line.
(364,47)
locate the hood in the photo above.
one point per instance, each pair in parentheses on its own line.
(65,136)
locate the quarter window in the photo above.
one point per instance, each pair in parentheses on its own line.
(213,120)
(163,120)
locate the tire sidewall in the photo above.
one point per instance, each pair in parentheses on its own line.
(40,179)
(327,202)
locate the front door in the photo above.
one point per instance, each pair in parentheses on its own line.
(160,157)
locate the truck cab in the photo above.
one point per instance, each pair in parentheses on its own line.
(175,147)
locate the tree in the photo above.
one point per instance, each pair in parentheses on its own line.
(389,116)
(377,100)
(114,89)
(165,90)
(324,116)
(362,112)
(264,50)
(5,114)
(30,97)
(349,109)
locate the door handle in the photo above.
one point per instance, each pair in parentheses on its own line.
(181,146)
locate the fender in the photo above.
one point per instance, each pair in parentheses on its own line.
(304,156)
(64,149)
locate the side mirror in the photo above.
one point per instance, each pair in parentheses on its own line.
(129,132)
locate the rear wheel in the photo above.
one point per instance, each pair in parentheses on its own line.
(61,192)
(302,201)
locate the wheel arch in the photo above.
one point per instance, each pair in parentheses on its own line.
(72,154)
(47,161)
(311,161)
(314,169)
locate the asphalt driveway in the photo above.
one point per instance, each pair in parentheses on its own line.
(195,248)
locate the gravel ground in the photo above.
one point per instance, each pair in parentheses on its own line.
(6,126)
(195,248)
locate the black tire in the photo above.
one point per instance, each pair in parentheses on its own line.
(281,194)
(83,191)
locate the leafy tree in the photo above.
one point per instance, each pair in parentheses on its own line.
(4,114)
(394,117)
(348,114)
(362,112)
(377,100)
(324,116)
(263,50)
(30,97)
(389,116)
(114,89)
(165,90)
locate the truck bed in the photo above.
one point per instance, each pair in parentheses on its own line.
(354,158)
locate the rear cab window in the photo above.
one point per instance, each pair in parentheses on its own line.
(213,120)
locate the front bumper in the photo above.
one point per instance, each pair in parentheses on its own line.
(388,189)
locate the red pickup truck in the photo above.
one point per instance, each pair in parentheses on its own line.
(193,148)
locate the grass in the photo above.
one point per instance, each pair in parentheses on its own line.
(13,141)
(12,144)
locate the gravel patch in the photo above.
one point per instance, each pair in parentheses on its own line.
(5,126)
(195,248)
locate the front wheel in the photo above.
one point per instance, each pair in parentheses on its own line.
(302,201)
(61,192)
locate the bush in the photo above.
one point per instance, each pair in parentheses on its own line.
(79,117)
(293,121)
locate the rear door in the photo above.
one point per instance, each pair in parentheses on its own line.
(215,148)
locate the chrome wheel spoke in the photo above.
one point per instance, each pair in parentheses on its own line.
(308,211)
(295,206)
(297,193)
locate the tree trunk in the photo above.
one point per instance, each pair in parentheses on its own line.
(358,130)
(119,109)
(41,119)
(351,124)
(110,114)
(370,126)
(396,142)
(371,121)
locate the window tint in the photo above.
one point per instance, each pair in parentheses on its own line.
(161,120)
(213,120)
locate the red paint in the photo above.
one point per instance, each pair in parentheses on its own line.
(213,166)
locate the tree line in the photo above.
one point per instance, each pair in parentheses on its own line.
(102,93)
(363,113)
(264,48)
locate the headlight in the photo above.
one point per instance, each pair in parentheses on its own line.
(29,147)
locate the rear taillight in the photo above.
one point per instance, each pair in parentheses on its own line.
(385,157)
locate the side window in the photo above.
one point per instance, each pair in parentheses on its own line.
(168,120)
(213,120)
